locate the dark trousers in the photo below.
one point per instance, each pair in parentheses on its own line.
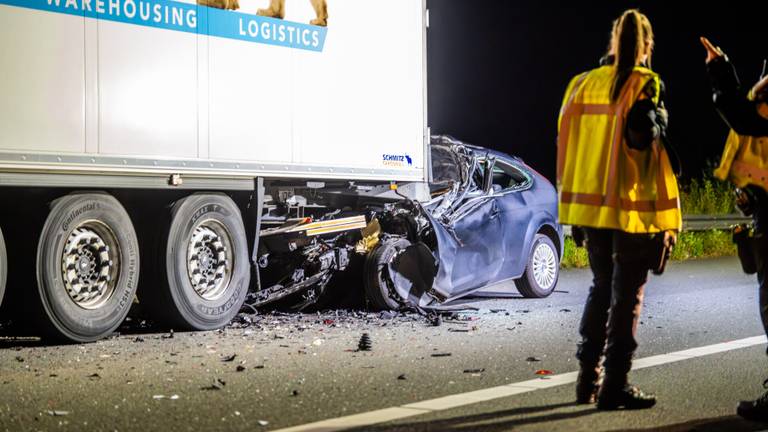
(620,268)
(760,245)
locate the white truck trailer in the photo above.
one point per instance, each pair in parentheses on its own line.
(147,145)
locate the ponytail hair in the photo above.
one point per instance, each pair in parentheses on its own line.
(631,40)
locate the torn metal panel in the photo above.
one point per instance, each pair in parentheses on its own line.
(477,228)
(485,212)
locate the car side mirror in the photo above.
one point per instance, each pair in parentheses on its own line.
(488,178)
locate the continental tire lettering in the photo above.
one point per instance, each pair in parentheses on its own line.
(76,213)
(226,307)
(130,281)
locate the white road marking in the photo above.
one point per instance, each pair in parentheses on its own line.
(473,397)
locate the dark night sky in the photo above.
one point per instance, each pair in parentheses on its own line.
(498,68)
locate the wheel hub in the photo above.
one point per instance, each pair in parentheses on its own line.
(209,260)
(90,265)
(544,266)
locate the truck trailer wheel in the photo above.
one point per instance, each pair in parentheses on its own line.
(87,266)
(205,263)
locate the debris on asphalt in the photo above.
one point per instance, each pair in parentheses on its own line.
(57,413)
(441,355)
(544,372)
(295,393)
(259,367)
(172,397)
(365,343)
(388,315)
(139,339)
(229,358)
(94,376)
(318,342)
(218,384)
(240,368)
(565,310)
(402,377)
(533,359)
(263,422)
(435,320)
(458,330)
(168,336)
(20,359)
(474,371)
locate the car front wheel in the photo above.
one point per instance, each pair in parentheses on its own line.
(541,271)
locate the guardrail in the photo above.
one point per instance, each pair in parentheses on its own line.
(702,222)
(708,222)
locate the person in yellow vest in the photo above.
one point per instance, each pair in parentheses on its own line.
(745,163)
(615,181)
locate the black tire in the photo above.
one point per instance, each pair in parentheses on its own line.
(180,300)
(528,285)
(376,288)
(87,267)
(3,267)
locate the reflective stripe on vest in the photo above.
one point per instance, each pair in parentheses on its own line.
(744,161)
(602,182)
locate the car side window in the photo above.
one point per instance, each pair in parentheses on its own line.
(506,176)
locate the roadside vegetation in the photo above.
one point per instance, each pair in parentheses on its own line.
(707,196)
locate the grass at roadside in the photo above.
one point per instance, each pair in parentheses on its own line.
(690,245)
(707,196)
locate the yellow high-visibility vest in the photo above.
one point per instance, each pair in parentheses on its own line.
(744,161)
(602,182)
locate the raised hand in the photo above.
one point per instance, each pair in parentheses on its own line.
(713,52)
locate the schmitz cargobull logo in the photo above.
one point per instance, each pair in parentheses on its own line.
(397,160)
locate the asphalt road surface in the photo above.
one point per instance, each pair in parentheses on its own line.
(476,371)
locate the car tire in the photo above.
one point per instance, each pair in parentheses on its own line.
(542,270)
(201,265)
(87,267)
(376,288)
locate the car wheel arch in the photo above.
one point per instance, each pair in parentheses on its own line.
(550,231)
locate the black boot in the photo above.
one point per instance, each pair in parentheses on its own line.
(756,410)
(613,397)
(587,385)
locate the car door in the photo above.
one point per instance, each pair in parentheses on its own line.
(476,226)
(510,183)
